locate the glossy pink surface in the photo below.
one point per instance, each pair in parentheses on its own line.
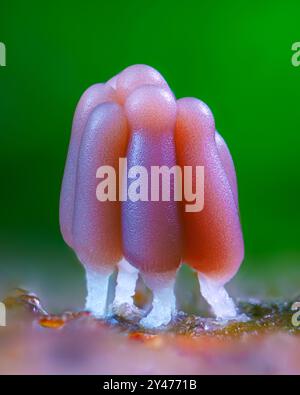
(141,120)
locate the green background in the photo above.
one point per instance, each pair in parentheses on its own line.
(236,56)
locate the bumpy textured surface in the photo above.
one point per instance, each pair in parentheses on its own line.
(135,115)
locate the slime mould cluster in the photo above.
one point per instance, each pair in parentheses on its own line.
(149,185)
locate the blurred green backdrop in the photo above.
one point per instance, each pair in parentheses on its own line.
(236,56)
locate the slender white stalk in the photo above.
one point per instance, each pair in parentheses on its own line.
(164,301)
(217,297)
(97,291)
(126,283)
